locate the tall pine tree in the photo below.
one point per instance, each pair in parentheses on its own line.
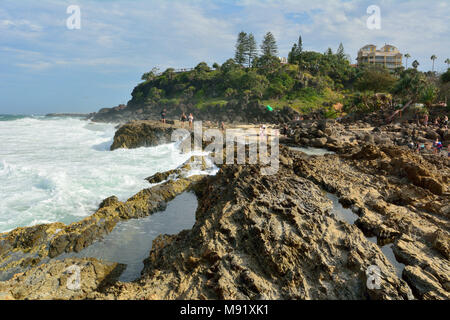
(299,45)
(296,51)
(241,44)
(269,46)
(340,53)
(251,49)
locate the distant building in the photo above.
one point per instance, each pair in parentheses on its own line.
(388,56)
(283,60)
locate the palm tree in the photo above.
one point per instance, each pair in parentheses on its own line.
(415,64)
(448,63)
(433,57)
(407,56)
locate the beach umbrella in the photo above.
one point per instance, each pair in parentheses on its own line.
(269,108)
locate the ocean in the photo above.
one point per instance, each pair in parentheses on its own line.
(60,169)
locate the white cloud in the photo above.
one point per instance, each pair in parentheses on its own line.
(20,24)
(182,33)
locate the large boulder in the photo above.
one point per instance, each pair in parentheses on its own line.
(142,134)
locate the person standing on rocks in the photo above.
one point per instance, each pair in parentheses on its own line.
(262,131)
(163,116)
(183,119)
(191,120)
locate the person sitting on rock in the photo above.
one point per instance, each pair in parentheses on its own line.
(420,147)
(437,146)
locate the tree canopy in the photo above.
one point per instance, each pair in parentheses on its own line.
(269,46)
(309,79)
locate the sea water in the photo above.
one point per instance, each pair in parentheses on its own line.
(131,240)
(60,169)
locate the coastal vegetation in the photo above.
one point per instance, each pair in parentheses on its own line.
(306,82)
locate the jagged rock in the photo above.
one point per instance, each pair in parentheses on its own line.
(263,237)
(441,242)
(319,142)
(424,284)
(197,162)
(395,206)
(54,280)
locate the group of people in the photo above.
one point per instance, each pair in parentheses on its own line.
(436,147)
(183,118)
(438,122)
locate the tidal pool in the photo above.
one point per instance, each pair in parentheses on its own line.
(130,241)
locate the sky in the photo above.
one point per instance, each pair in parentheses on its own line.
(47,67)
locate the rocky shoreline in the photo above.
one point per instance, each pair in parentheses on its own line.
(237,112)
(266,237)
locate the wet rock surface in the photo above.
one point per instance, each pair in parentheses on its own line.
(263,237)
(276,236)
(401,198)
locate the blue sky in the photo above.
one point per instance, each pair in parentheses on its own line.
(45,67)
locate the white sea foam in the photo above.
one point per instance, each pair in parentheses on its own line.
(61,169)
